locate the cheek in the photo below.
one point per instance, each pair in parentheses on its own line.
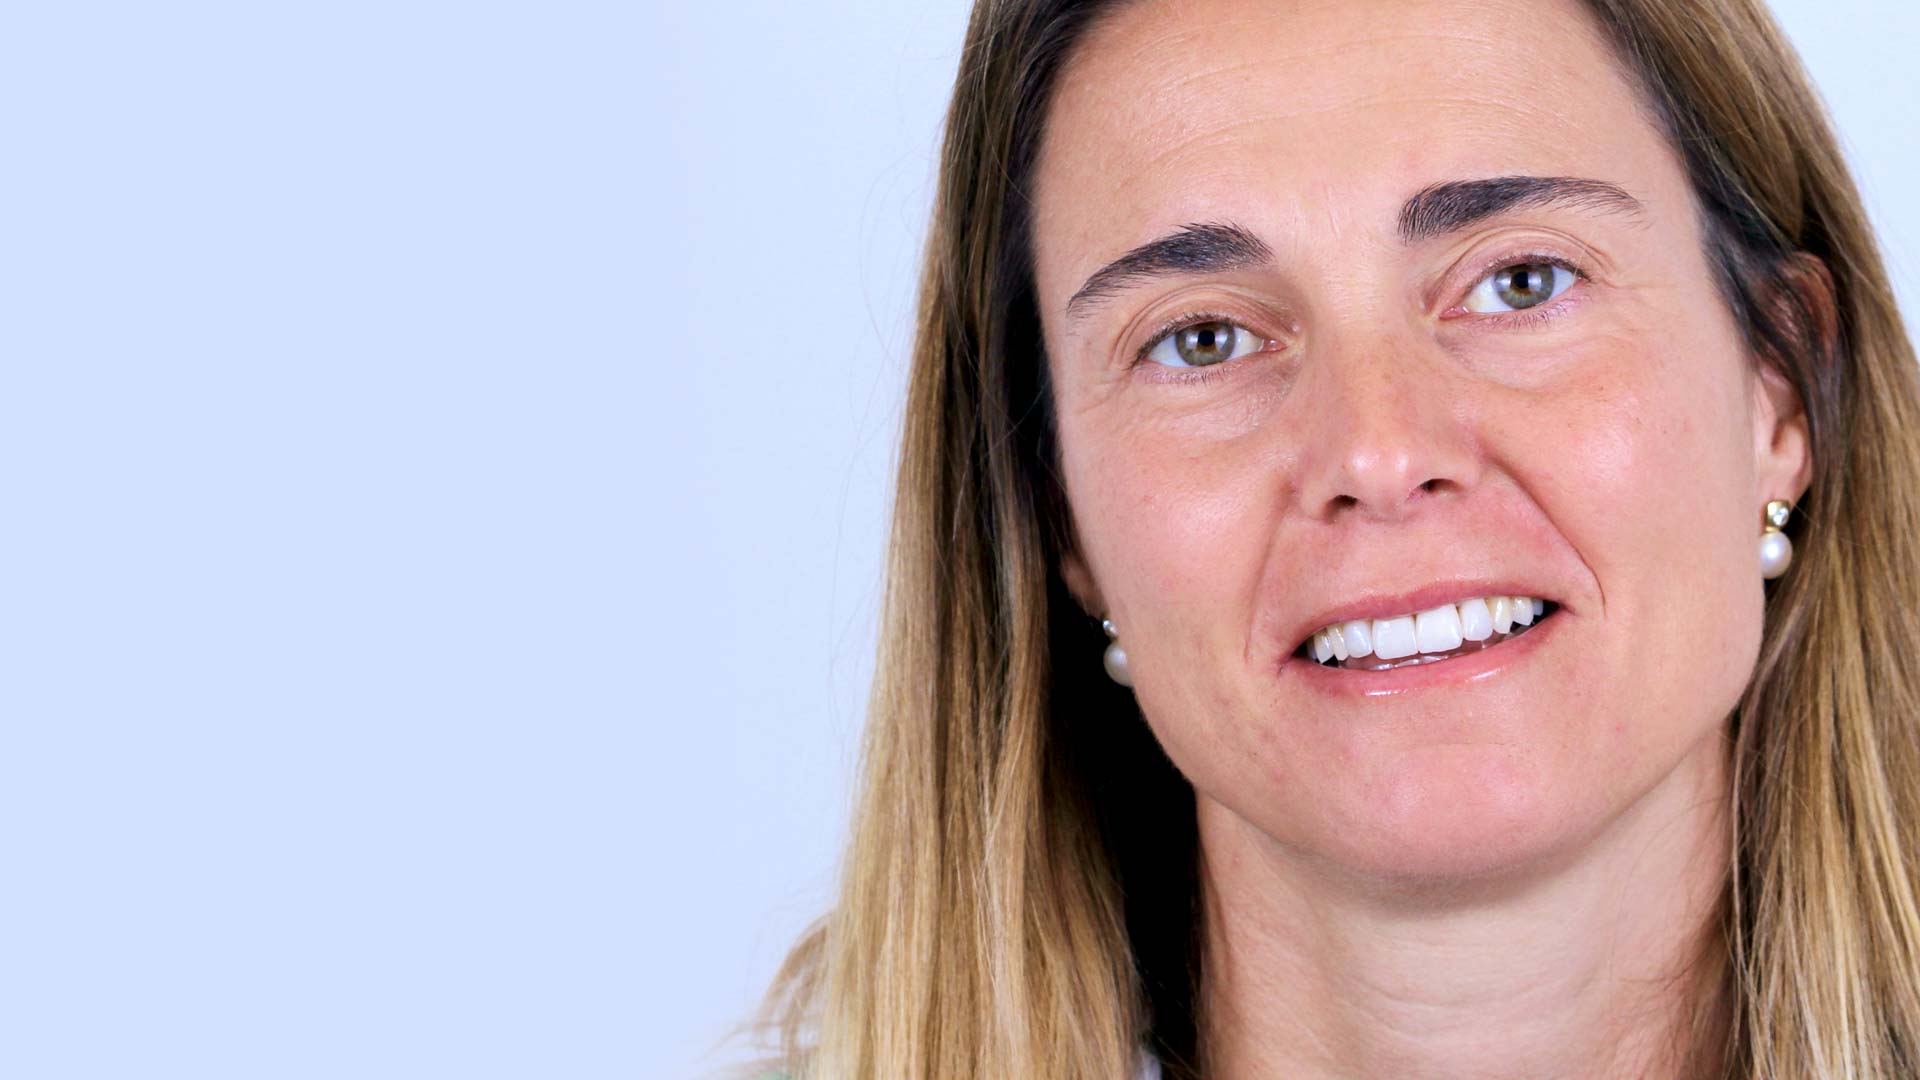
(1632,450)
(1177,525)
(1177,522)
(1643,464)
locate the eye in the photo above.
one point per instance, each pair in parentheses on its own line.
(1522,285)
(1203,344)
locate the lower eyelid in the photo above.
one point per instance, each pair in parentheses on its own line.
(1574,297)
(1168,373)
(1191,376)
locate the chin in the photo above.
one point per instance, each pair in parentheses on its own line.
(1458,818)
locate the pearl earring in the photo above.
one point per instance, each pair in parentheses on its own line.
(1116,657)
(1776,551)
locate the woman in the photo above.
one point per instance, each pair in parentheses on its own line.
(1485,436)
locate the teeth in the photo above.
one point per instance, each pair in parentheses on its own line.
(1523,611)
(1394,638)
(1476,622)
(1438,630)
(1359,635)
(1441,630)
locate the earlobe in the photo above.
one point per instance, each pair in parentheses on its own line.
(1782,444)
(1079,581)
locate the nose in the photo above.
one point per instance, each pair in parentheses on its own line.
(1388,431)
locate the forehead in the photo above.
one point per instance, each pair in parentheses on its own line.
(1310,122)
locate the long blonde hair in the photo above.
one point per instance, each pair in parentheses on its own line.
(1020,896)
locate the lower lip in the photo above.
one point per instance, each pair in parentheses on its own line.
(1473,667)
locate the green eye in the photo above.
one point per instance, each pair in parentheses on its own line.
(1203,344)
(1520,286)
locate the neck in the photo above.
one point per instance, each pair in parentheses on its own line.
(1589,968)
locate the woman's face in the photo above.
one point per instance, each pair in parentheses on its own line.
(1386,404)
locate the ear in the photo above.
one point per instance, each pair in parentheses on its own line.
(1783,455)
(1079,581)
(1782,444)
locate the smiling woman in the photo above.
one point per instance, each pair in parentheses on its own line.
(1482,441)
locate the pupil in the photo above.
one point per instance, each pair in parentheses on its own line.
(1525,286)
(1206,343)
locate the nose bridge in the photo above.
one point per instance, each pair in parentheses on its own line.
(1386,434)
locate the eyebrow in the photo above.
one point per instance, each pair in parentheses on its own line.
(1444,208)
(1435,210)
(1200,248)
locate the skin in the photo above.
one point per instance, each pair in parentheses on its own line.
(1501,877)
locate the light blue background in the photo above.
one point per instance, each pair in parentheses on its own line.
(445,451)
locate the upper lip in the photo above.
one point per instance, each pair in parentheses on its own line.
(1383,605)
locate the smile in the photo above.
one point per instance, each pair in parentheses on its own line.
(1425,637)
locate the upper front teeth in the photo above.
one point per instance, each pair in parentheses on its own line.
(1438,630)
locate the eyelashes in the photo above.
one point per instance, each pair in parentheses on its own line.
(1515,292)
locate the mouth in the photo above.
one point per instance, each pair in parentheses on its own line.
(1434,636)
